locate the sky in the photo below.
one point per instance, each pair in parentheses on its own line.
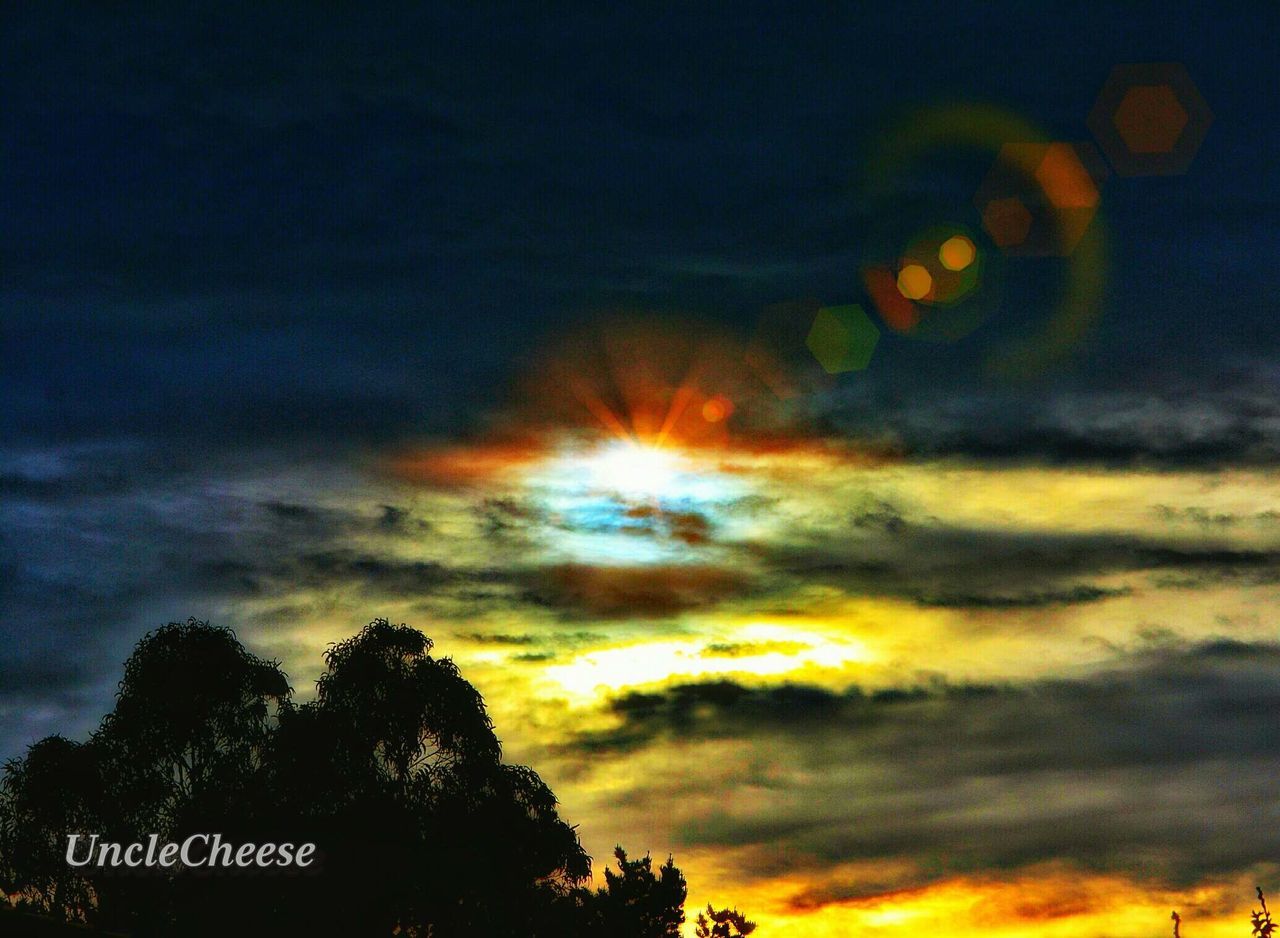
(501,324)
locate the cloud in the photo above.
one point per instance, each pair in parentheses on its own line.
(496,638)
(744,649)
(582,590)
(1063,597)
(940,564)
(1161,766)
(1236,422)
(253,574)
(372,572)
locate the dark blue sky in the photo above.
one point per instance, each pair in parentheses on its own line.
(236,223)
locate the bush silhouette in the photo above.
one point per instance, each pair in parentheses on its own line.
(393,770)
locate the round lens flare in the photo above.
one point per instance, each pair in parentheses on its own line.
(957,253)
(914,282)
(717,409)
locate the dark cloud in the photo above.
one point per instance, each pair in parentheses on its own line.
(496,638)
(297,524)
(741,649)
(1064,597)
(934,564)
(1162,766)
(395,578)
(1214,519)
(87,566)
(689,527)
(395,517)
(289,512)
(1162,425)
(612,592)
(16,485)
(20,678)
(371,573)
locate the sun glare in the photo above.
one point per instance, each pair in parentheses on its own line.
(632,503)
(634,471)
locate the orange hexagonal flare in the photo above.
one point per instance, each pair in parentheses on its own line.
(1038,198)
(1065,181)
(1150,119)
(1008,221)
(897,311)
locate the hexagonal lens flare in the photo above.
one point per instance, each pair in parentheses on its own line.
(1150,119)
(843,338)
(1007,221)
(1039,198)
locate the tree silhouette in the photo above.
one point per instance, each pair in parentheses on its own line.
(393,770)
(52,791)
(182,752)
(396,769)
(725,923)
(636,901)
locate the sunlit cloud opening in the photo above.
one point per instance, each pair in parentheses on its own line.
(625,502)
(595,673)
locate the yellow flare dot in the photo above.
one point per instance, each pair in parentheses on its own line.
(957,252)
(914,282)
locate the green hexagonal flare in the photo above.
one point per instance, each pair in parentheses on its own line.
(842,338)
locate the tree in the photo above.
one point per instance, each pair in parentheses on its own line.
(725,923)
(180,753)
(393,770)
(53,790)
(636,902)
(397,770)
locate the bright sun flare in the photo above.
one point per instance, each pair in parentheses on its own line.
(627,502)
(634,471)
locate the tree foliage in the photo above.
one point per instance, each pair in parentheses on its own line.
(723,923)
(636,901)
(393,770)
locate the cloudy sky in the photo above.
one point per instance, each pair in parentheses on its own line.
(496,324)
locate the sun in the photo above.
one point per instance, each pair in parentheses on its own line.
(632,470)
(633,503)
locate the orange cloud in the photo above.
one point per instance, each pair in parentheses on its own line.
(1045,901)
(634,592)
(466,464)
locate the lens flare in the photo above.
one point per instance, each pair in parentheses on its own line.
(914,282)
(1038,199)
(1009,204)
(1150,119)
(957,253)
(843,338)
(716,409)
